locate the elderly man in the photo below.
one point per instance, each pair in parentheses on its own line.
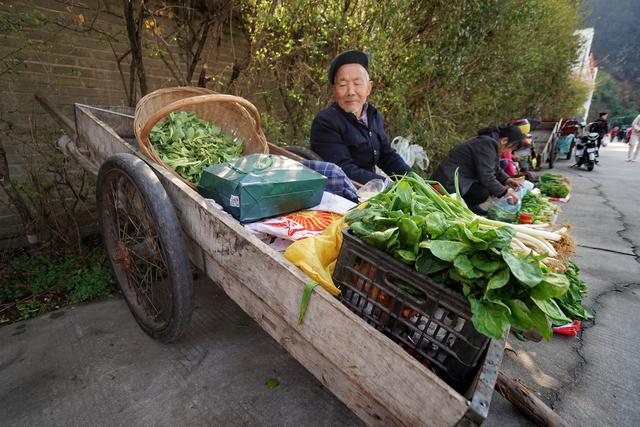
(350,132)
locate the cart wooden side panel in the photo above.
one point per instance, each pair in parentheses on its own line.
(544,137)
(373,376)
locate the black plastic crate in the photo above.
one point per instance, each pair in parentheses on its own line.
(435,327)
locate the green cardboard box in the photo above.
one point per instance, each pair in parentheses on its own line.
(262,185)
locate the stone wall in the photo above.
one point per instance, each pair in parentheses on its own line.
(67,51)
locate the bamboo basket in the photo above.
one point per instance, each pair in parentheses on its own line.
(234,115)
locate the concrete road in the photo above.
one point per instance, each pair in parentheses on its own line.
(91,365)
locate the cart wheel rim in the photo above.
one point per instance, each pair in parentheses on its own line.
(138,258)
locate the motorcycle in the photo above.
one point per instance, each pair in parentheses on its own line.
(587,151)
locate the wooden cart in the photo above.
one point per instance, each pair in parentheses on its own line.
(147,213)
(545,140)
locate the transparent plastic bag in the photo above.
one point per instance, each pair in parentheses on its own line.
(370,189)
(502,210)
(412,154)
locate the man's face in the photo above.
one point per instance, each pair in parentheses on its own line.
(351,88)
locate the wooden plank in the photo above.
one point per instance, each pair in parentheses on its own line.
(258,278)
(67,124)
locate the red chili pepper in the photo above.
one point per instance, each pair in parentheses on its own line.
(568,329)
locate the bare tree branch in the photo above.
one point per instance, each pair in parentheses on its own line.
(25,209)
(134,25)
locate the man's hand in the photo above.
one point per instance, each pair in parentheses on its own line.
(510,182)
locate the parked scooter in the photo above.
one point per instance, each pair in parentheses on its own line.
(587,151)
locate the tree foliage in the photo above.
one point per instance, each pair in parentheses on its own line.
(607,97)
(441,69)
(616,41)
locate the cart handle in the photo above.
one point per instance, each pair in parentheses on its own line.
(197,100)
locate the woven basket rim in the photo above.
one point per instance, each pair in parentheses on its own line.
(189,96)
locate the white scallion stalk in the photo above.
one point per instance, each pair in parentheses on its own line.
(539,244)
(547,235)
(539,225)
(519,247)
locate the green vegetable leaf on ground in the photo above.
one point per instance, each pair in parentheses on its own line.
(272,383)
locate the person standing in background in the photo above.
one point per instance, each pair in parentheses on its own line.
(601,127)
(614,133)
(634,140)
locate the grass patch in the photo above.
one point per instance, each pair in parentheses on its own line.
(34,283)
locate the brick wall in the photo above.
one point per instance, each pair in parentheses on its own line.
(65,50)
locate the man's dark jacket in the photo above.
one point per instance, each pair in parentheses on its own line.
(338,137)
(600,126)
(478,160)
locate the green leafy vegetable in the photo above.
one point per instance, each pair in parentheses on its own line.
(554,185)
(440,237)
(490,318)
(571,301)
(527,272)
(539,207)
(188,144)
(500,279)
(520,314)
(446,250)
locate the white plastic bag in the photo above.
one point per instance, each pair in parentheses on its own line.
(370,189)
(605,141)
(412,154)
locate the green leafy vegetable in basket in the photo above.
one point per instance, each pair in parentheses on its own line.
(539,207)
(504,270)
(554,185)
(188,144)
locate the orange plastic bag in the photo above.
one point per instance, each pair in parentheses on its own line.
(296,225)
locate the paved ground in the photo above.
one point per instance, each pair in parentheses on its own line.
(593,380)
(91,364)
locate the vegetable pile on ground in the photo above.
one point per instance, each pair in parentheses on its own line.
(554,185)
(512,274)
(188,144)
(538,207)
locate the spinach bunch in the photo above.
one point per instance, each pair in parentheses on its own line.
(554,185)
(440,237)
(571,302)
(188,144)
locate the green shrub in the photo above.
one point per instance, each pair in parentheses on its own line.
(441,69)
(37,283)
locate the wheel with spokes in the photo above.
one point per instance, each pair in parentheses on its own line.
(144,243)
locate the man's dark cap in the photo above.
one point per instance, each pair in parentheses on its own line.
(348,57)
